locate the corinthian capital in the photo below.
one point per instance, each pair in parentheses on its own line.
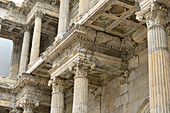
(17,41)
(81,67)
(58,84)
(155,14)
(38,14)
(27,28)
(29,104)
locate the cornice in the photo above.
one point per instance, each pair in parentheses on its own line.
(26,79)
(86,34)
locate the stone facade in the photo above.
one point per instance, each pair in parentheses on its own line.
(86,56)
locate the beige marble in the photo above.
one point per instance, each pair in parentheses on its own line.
(83,7)
(57,99)
(158,59)
(25,51)
(63,17)
(16,52)
(35,49)
(80,98)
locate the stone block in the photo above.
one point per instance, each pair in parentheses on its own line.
(123,89)
(133,62)
(140,35)
(117,102)
(124,99)
(139,93)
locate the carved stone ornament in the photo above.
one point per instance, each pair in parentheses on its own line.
(123,77)
(81,67)
(27,28)
(155,15)
(29,104)
(97,93)
(17,41)
(38,14)
(58,85)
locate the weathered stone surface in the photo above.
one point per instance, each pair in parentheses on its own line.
(99,61)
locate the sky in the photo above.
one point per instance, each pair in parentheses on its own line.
(18,1)
(6,51)
(5,56)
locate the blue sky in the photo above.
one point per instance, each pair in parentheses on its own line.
(5,56)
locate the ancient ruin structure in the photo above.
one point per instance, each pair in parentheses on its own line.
(86,56)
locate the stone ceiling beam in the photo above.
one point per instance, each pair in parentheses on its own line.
(115,23)
(11,28)
(123,4)
(50,10)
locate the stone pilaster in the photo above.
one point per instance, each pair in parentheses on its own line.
(158,58)
(80,98)
(83,7)
(0,24)
(25,51)
(15,58)
(57,100)
(63,17)
(35,49)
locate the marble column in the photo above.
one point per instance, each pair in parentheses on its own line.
(57,100)
(158,59)
(15,58)
(80,98)
(83,7)
(35,49)
(63,18)
(25,51)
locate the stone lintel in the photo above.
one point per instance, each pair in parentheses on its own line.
(27,79)
(92,62)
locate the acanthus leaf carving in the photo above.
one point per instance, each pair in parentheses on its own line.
(58,84)
(155,14)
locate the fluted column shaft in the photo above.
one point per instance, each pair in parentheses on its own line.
(158,58)
(35,49)
(15,58)
(83,7)
(25,51)
(57,100)
(80,98)
(63,17)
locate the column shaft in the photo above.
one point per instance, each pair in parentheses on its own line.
(25,52)
(83,7)
(158,70)
(158,56)
(15,58)
(57,100)
(63,17)
(80,99)
(36,39)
